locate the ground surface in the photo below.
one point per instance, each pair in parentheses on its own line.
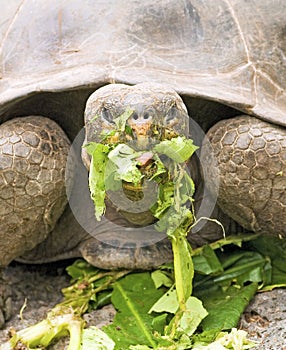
(264,319)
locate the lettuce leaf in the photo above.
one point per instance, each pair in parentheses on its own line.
(178,148)
(99,156)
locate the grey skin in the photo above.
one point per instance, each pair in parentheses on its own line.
(225,59)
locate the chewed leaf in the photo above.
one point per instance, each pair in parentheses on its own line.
(161,279)
(192,317)
(167,303)
(165,199)
(95,339)
(124,157)
(99,158)
(235,340)
(179,148)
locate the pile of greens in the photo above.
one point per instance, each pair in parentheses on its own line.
(194,303)
(227,274)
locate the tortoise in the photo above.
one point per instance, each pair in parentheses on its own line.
(225,60)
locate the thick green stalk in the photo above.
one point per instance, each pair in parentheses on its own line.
(183,268)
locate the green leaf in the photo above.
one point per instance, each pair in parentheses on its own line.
(236,240)
(80,269)
(207,262)
(160,167)
(187,188)
(225,306)
(275,249)
(95,339)
(111,179)
(124,157)
(159,323)
(183,267)
(165,200)
(98,154)
(192,316)
(178,148)
(205,338)
(161,279)
(242,266)
(133,296)
(235,340)
(167,303)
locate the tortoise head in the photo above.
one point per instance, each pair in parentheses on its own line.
(155,112)
(148,113)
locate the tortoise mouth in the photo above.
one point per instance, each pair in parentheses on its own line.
(136,139)
(135,200)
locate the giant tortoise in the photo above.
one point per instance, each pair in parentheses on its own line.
(226,60)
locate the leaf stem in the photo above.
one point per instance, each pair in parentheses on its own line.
(179,280)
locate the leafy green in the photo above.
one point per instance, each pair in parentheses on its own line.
(134,325)
(183,266)
(112,163)
(274,249)
(124,157)
(95,339)
(167,303)
(88,284)
(235,340)
(207,262)
(225,306)
(186,306)
(121,128)
(133,296)
(222,287)
(81,270)
(165,200)
(178,148)
(161,278)
(59,322)
(245,267)
(192,316)
(99,153)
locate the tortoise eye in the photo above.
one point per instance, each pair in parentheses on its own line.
(106,115)
(171,116)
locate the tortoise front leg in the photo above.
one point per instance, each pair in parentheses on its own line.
(251,165)
(33,153)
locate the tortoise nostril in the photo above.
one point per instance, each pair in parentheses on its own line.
(135,116)
(146,116)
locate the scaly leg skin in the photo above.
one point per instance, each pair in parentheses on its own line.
(251,165)
(33,151)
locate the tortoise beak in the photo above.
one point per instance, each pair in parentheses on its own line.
(141,129)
